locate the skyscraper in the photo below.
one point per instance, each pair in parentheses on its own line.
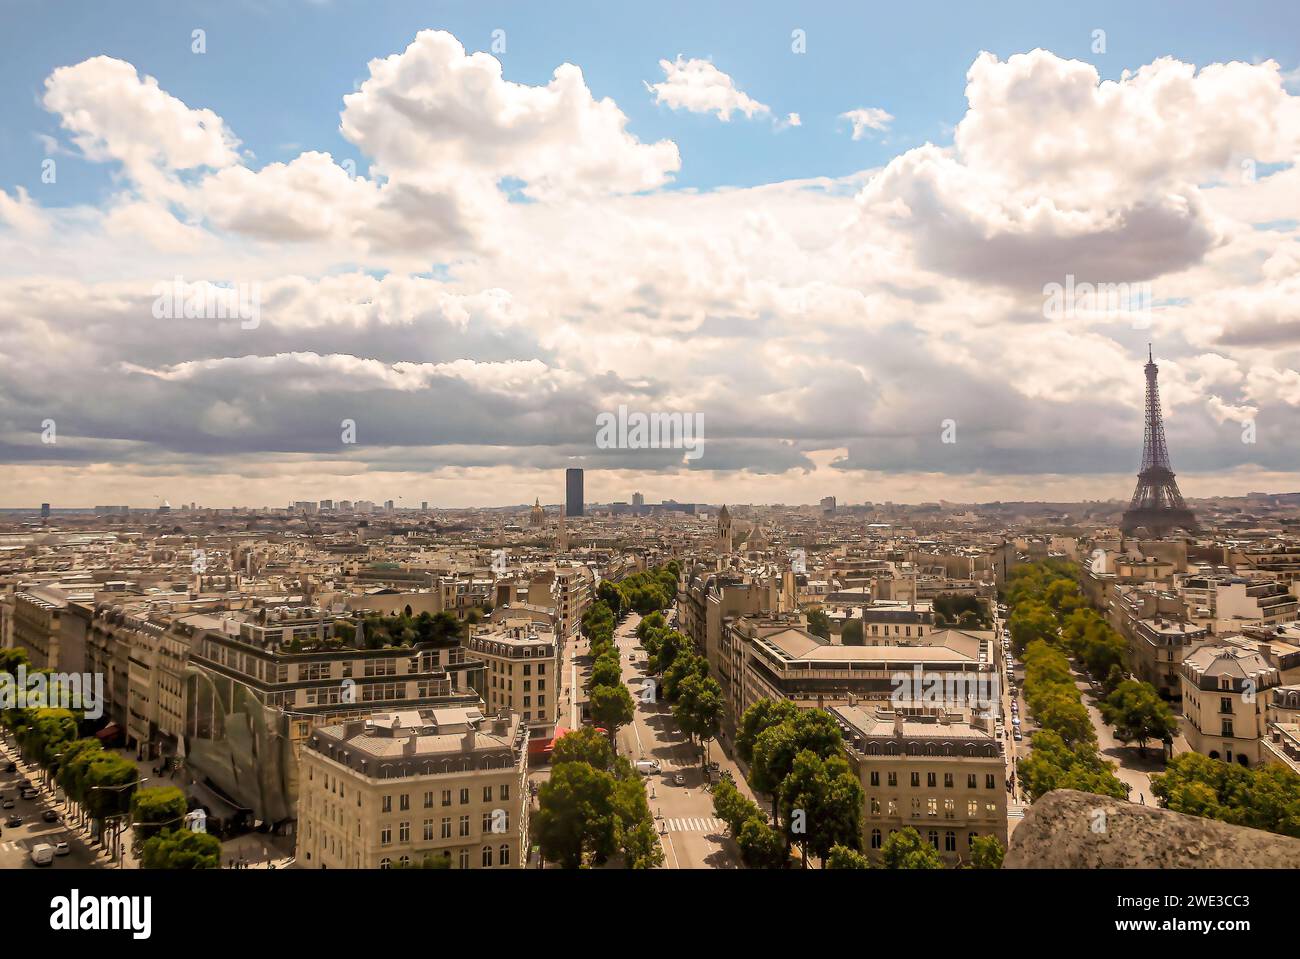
(573,492)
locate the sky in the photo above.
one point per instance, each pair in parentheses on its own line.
(257,252)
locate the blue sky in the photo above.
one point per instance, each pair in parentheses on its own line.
(823,334)
(276,70)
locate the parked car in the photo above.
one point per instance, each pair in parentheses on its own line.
(11,768)
(13,822)
(7,804)
(28,793)
(42,854)
(61,849)
(50,815)
(647,767)
(1017,736)
(679,779)
(24,783)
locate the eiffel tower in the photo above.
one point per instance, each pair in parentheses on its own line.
(1157,505)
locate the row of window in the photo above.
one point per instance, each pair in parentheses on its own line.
(949,839)
(496,821)
(404,799)
(930,807)
(932,780)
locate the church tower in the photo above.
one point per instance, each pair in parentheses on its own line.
(724,531)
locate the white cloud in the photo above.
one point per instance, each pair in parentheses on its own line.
(114,114)
(866,119)
(700,87)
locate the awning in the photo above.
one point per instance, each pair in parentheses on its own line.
(108,732)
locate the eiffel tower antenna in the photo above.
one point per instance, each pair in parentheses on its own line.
(1157,506)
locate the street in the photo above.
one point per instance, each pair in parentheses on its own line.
(692,837)
(16,842)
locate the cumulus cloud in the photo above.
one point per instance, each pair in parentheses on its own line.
(700,87)
(1053,171)
(113,113)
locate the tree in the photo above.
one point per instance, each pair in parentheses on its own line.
(762,715)
(609,594)
(1059,711)
(819,624)
(1031,622)
(813,730)
(1267,797)
(612,707)
(156,810)
(698,709)
(181,849)
(842,857)
(821,804)
(575,815)
(1138,713)
(851,634)
(761,846)
(654,621)
(585,745)
(606,671)
(641,847)
(907,850)
(732,807)
(686,663)
(986,853)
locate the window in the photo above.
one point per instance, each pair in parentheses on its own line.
(385,863)
(487,855)
(989,782)
(404,832)
(428,800)
(464,859)
(947,780)
(387,804)
(386,836)
(464,796)
(404,802)
(892,779)
(876,839)
(503,857)
(464,825)
(428,830)
(446,827)
(1225,704)
(949,841)
(875,806)
(916,779)
(971,781)
(487,793)
(930,780)
(932,806)
(504,792)
(875,778)
(933,836)
(446,797)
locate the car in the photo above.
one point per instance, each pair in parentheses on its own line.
(27,794)
(679,779)
(11,768)
(7,804)
(1015,720)
(14,821)
(42,854)
(62,849)
(647,767)
(24,783)
(50,815)
(1017,736)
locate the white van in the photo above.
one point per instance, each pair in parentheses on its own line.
(647,767)
(42,854)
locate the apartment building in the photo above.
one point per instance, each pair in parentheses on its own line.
(1158,634)
(36,613)
(521,667)
(937,770)
(397,787)
(1226,685)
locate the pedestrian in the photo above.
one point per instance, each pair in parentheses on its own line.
(1142,799)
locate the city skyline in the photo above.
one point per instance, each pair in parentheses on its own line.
(838,279)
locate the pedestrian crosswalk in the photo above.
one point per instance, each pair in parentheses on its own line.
(14,844)
(703,824)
